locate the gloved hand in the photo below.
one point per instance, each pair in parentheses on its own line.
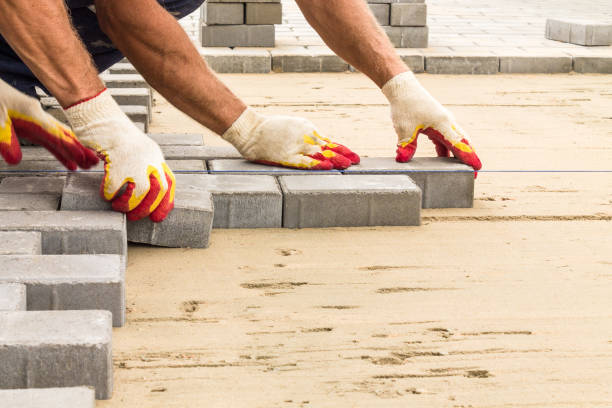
(22,116)
(286,141)
(414,111)
(131,159)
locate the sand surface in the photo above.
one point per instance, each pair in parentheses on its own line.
(507,304)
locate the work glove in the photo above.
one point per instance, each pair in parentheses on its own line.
(136,177)
(415,111)
(287,142)
(21,116)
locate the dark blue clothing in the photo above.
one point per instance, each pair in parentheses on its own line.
(102,50)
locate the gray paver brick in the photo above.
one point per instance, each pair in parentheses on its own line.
(222,13)
(406,14)
(238,60)
(240,201)
(408,37)
(444,182)
(74,232)
(69,397)
(69,282)
(28,202)
(56,349)
(525,64)
(12,297)
(124,81)
(413,58)
(459,65)
(579,32)
(594,64)
(349,201)
(123,68)
(264,13)
(198,152)
(37,185)
(238,36)
(239,166)
(188,225)
(177,139)
(381,12)
(300,59)
(20,243)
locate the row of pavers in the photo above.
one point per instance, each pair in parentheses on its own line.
(216,188)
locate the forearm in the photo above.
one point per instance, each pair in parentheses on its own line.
(42,35)
(350,30)
(161,51)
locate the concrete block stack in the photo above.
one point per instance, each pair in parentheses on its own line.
(239,23)
(579,32)
(404,21)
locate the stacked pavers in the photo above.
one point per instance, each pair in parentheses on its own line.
(239,23)
(404,21)
(579,32)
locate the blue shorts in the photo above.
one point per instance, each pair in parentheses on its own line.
(102,50)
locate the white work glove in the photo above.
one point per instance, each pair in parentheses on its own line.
(414,111)
(130,156)
(21,116)
(287,142)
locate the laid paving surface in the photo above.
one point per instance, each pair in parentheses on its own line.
(464,310)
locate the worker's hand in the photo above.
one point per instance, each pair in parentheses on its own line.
(286,141)
(21,116)
(414,111)
(137,179)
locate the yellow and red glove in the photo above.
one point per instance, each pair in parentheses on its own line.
(287,142)
(21,116)
(415,111)
(132,159)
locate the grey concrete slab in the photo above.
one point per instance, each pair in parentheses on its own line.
(592,64)
(188,225)
(199,152)
(20,243)
(56,349)
(123,68)
(264,13)
(36,185)
(382,12)
(240,201)
(237,60)
(133,96)
(444,182)
(177,139)
(462,64)
(43,167)
(187,166)
(74,232)
(69,282)
(222,13)
(349,201)
(408,14)
(580,32)
(241,166)
(408,37)
(124,81)
(237,36)
(12,297)
(413,58)
(69,397)
(300,59)
(526,64)
(28,202)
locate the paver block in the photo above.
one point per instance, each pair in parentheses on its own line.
(381,13)
(74,232)
(132,96)
(222,13)
(462,64)
(237,36)
(312,59)
(541,64)
(69,282)
(20,243)
(199,152)
(69,397)
(187,166)
(56,349)
(240,166)
(580,32)
(124,81)
(177,139)
(408,14)
(237,60)
(35,185)
(264,13)
(239,201)
(12,297)
(349,201)
(188,225)
(28,202)
(123,68)
(444,182)
(408,37)
(593,64)
(413,58)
